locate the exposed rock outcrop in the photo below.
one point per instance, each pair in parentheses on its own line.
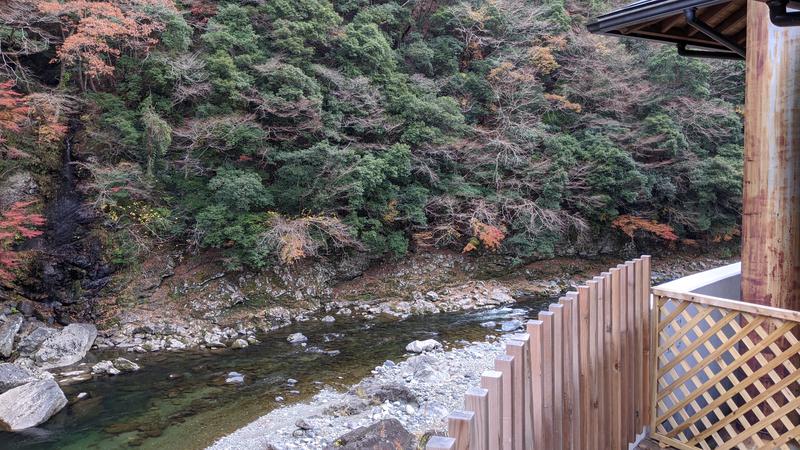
(13,375)
(31,404)
(423,346)
(8,331)
(67,347)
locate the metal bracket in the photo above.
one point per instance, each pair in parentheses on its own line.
(699,25)
(780,16)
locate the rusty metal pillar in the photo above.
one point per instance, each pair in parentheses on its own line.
(771,221)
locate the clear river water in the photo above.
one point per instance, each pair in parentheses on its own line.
(181,400)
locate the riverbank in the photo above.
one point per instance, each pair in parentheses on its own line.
(196,305)
(419,393)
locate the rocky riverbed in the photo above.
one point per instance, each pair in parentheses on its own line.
(418,393)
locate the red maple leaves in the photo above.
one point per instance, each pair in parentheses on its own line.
(16,223)
(13,112)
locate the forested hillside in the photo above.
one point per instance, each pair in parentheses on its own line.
(277,130)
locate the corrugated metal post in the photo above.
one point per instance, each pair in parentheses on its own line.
(771,222)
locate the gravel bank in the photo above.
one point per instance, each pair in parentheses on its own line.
(419,392)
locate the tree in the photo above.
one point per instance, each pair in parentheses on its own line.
(16,223)
(98,31)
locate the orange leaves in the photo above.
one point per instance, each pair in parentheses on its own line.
(562,103)
(491,237)
(15,223)
(631,224)
(13,108)
(97,29)
(13,112)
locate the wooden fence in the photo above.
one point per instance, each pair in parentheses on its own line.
(580,378)
(727,374)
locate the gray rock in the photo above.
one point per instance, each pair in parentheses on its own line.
(31,342)
(234,378)
(13,375)
(423,346)
(388,434)
(389,392)
(125,365)
(239,343)
(329,319)
(432,296)
(67,347)
(105,367)
(302,424)
(8,331)
(16,187)
(296,338)
(489,324)
(30,405)
(511,325)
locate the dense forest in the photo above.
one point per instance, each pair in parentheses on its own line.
(268,131)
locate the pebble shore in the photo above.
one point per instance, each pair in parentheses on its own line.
(419,392)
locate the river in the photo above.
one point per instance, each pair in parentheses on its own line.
(180,400)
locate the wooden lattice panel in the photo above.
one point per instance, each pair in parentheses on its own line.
(727,374)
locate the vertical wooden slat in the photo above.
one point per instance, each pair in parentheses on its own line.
(546,317)
(594,359)
(440,443)
(517,349)
(616,352)
(573,325)
(647,331)
(601,361)
(534,328)
(492,381)
(568,306)
(639,360)
(477,400)
(459,427)
(624,361)
(585,358)
(558,376)
(608,361)
(631,355)
(505,365)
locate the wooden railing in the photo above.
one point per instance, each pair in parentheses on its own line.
(727,374)
(580,378)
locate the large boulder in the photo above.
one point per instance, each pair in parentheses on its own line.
(8,331)
(67,347)
(31,341)
(30,405)
(13,375)
(387,434)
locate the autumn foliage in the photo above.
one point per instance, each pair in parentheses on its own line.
(98,31)
(13,111)
(491,237)
(631,224)
(16,223)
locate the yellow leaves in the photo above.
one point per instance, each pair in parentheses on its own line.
(491,237)
(391,211)
(543,60)
(507,73)
(562,102)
